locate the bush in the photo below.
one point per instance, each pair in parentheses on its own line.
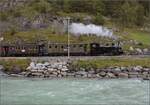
(99,19)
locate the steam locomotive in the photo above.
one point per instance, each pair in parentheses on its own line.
(58,49)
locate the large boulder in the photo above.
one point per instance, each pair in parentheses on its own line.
(123,75)
(111,75)
(15,70)
(1,68)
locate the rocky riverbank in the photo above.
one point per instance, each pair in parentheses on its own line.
(64,69)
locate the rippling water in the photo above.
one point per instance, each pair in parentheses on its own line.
(73,91)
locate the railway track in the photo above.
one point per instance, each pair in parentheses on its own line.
(77,57)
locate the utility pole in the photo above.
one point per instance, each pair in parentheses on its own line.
(68,22)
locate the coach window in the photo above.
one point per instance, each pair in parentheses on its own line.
(81,46)
(50,46)
(62,47)
(55,46)
(74,46)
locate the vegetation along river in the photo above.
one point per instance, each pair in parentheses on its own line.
(16,91)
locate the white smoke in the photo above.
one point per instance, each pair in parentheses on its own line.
(80,28)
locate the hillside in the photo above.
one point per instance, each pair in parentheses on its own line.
(24,20)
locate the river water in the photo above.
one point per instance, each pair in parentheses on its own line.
(73,91)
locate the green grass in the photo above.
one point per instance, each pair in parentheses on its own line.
(113,62)
(10,63)
(143,37)
(47,34)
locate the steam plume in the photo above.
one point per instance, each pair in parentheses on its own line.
(80,28)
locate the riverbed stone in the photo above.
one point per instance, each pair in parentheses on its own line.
(1,68)
(102,73)
(36,74)
(137,68)
(133,73)
(133,76)
(123,75)
(111,75)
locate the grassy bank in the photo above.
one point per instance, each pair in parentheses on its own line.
(9,64)
(112,62)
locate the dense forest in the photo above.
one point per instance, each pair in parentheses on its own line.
(126,13)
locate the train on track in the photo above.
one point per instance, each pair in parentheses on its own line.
(46,48)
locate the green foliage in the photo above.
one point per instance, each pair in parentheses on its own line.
(113,62)
(125,13)
(3,16)
(10,63)
(99,19)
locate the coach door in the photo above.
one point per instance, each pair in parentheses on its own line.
(41,49)
(5,50)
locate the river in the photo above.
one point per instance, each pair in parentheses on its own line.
(16,91)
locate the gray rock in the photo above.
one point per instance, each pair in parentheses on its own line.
(16,70)
(111,75)
(133,73)
(55,73)
(1,68)
(70,74)
(89,75)
(139,51)
(117,69)
(81,72)
(37,74)
(16,75)
(64,69)
(145,73)
(34,71)
(91,72)
(123,75)
(133,76)
(102,73)
(64,73)
(23,73)
(137,68)
(32,65)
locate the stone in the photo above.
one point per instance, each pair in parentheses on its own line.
(16,70)
(146,69)
(123,75)
(133,76)
(40,71)
(139,51)
(145,73)
(1,68)
(59,76)
(102,73)
(145,51)
(32,65)
(37,74)
(23,73)
(16,75)
(64,69)
(52,75)
(70,74)
(78,76)
(137,68)
(123,68)
(64,73)
(55,73)
(111,75)
(117,69)
(46,64)
(81,72)
(133,73)
(89,75)
(131,48)
(91,71)
(34,71)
